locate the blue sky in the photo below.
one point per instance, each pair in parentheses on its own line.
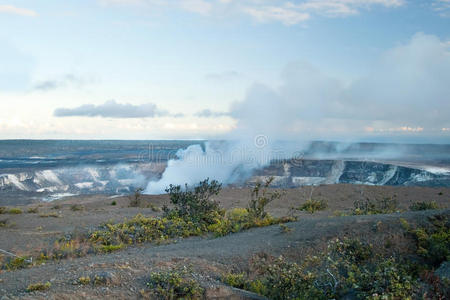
(146,69)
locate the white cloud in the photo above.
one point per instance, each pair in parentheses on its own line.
(286,12)
(67,80)
(343,7)
(112,109)
(285,15)
(197,6)
(207,113)
(10,9)
(442,7)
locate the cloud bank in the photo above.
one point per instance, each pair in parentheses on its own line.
(406,89)
(112,109)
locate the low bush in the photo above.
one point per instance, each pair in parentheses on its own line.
(136,200)
(154,207)
(76,207)
(260,197)
(2,210)
(347,269)
(416,206)
(14,211)
(285,229)
(113,203)
(32,210)
(368,206)
(110,248)
(39,287)
(194,204)
(433,243)
(175,284)
(47,215)
(84,280)
(14,263)
(312,205)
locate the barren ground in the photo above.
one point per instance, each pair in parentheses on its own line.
(208,256)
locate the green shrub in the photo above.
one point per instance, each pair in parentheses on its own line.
(278,279)
(235,280)
(195,204)
(368,206)
(15,263)
(32,210)
(312,205)
(351,250)
(175,285)
(39,287)
(416,206)
(84,280)
(260,197)
(433,244)
(113,203)
(136,200)
(76,207)
(154,207)
(348,269)
(14,211)
(110,248)
(47,215)
(285,229)
(239,219)
(2,210)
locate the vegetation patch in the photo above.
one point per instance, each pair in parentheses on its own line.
(14,211)
(348,268)
(84,280)
(367,206)
(4,223)
(48,215)
(416,206)
(312,205)
(32,210)
(110,248)
(14,263)
(136,200)
(39,287)
(193,213)
(76,207)
(433,242)
(175,284)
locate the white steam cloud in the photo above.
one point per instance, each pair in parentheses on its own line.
(407,88)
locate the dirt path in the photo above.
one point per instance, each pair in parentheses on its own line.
(128,269)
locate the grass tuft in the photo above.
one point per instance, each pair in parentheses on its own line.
(39,287)
(312,205)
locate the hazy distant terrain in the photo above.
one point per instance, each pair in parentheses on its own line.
(33,170)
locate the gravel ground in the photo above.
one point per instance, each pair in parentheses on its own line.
(127,270)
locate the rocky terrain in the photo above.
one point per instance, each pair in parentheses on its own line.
(125,273)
